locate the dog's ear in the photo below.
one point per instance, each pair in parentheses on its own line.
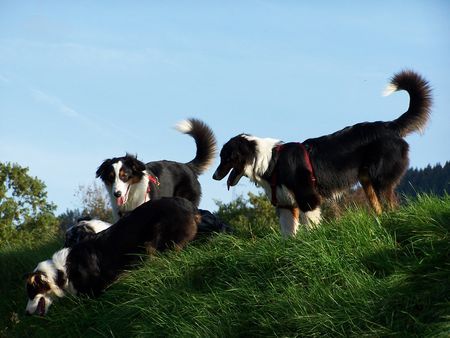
(136,165)
(246,149)
(128,155)
(102,168)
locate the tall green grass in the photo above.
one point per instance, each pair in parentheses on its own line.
(356,276)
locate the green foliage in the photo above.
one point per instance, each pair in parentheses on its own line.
(431,180)
(358,276)
(254,217)
(23,203)
(18,256)
(94,203)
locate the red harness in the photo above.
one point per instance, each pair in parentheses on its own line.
(151,179)
(273,179)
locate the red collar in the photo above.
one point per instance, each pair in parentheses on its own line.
(155,181)
(273,178)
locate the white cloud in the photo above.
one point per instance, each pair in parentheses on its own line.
(60,106)
(104,128)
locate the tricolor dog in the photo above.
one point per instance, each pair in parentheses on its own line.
(130,182)
(91,265)
(298,176)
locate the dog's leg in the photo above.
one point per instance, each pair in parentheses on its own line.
(312,218)
(391,198)
(370,191)
(150,248)
(288,221)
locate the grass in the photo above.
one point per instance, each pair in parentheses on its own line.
(356,276)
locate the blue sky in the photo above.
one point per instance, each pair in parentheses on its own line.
(81,81)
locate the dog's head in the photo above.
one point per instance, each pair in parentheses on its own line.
(235,155)
(43,285)
(118,174)
(84,230)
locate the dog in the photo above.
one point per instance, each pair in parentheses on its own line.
(88,228)
(130,182)
(298,176)
(85,229)
(91,265)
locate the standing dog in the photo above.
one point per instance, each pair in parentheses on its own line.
(91,265)
(297,176)
(130,182)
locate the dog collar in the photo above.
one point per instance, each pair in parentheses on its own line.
(151,180)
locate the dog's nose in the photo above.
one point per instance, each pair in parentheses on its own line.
(118,193)
(215,176)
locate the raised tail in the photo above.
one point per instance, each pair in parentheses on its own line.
(418,113)
(205,141)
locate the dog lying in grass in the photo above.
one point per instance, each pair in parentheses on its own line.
(91,265)
(87,228)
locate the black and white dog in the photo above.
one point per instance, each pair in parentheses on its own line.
(130,182)
(297,176)
(91,265)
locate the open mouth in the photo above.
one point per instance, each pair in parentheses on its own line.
(234,178)
(41,307)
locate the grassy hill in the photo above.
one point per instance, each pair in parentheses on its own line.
(356,276)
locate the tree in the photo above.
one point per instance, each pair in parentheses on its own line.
(94,204)
(23,202)
(432,179)
(252,217)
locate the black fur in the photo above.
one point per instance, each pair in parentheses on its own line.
(78,234)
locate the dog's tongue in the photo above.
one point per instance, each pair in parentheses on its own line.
(41,307)
(120,201)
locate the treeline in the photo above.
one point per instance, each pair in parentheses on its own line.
(432,180)
(24,207)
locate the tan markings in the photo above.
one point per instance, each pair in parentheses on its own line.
(296,214)
(391,198)
(134,180)
(197,219)
(122,174)
(31,279)
(370,192)
(150,248)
